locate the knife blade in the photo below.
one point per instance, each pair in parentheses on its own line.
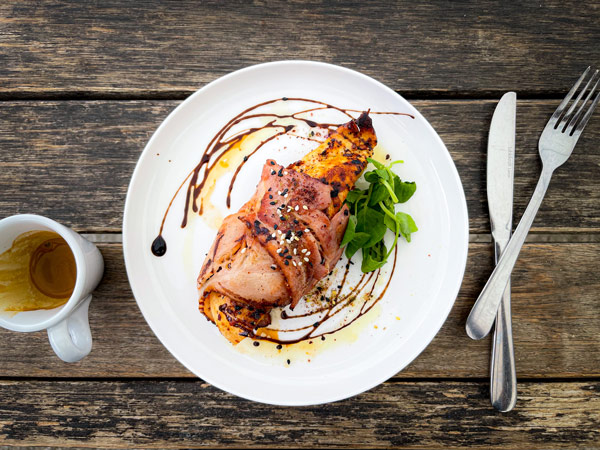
(500,168)
(500,179)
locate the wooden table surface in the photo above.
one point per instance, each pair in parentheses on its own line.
(83,85)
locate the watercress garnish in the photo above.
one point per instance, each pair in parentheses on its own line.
(373,212)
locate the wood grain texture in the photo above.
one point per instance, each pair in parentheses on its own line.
(555,310)
(155,48)
(191,414)
(73,160)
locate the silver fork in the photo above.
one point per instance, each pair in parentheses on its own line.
(556,144)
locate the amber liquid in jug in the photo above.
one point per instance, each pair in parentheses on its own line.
(37,272)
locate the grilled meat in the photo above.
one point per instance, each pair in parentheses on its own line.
(286,237)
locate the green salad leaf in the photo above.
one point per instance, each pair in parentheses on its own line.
(373,213)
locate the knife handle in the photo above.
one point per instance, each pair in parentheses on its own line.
(503,376)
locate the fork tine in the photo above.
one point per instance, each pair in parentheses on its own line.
(581,125)
(567,118)
(573,122)
(565,102)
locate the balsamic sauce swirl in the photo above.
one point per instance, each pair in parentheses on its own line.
(219,146)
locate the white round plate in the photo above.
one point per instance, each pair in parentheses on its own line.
(422,290)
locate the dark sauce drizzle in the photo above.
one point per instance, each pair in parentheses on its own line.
(215,150)
(338,304)
(219,145)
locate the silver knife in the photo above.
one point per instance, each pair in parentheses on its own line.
(500,176)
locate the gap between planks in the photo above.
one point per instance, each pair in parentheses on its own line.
(195,379)
(410,95)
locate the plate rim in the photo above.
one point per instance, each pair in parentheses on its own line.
(375,381)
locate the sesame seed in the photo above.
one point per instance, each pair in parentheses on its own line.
(299,263)
(285,172)
(307,253)
(273,203)
(295,253)
(306,259)
(286,262)
(273,266)
(285,196)
(297,208)
(279,231)
(279,192)
(275,226)
(303,250)
(244,250)
(274,235)
(278,250)
(306,230)
(304,207)
(294,263)
(273,172)
(296,238)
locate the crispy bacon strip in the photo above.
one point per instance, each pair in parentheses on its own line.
(286,237)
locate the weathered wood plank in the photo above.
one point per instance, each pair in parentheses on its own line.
(192,414)
(158,48)
(555,310)
(72,160)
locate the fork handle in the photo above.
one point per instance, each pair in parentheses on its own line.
(483,314)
